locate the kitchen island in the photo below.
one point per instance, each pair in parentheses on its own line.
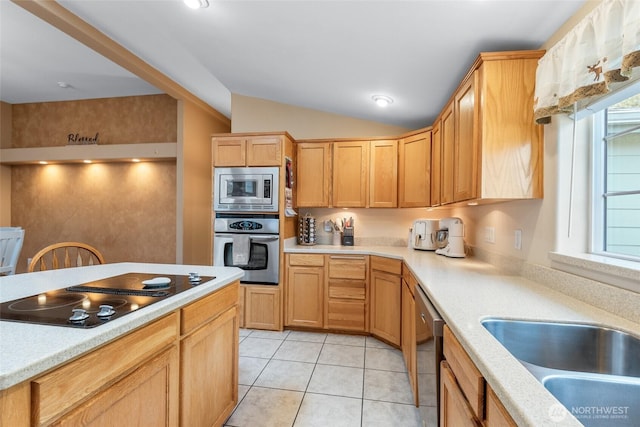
(467,291)
(158,357)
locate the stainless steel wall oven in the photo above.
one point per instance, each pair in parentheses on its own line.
(250,242)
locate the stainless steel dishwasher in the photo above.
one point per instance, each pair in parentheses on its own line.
(429,329)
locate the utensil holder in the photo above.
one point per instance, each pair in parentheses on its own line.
(347,236)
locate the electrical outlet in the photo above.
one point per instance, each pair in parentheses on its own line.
(517,239)
(490,234)
(29,262)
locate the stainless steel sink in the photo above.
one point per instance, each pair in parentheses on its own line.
(569,346)
(593,371)
(598,401)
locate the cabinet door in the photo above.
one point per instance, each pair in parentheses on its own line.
(454,408)
(385,306)
(262,308)
(350,174)
(229,151)
(264,150)
(466,141)
(147,396)
(447,129)
(408,342)
(495,413)
(414,172)
(383,174)
(436,164)
(209,366)
(313,173)
(305,296)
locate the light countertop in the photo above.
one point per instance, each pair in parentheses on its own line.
(466,291)
(27,350)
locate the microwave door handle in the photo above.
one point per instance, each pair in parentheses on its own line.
(264,239)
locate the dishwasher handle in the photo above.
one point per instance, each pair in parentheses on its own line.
(430,314)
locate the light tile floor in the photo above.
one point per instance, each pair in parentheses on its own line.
(307,379)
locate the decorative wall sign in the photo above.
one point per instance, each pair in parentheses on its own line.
(77,139)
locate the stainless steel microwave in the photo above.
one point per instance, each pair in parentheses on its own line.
(251,189)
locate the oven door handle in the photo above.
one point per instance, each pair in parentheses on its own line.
(264,239)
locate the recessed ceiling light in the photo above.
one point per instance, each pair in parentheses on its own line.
(382,100)
(197,4)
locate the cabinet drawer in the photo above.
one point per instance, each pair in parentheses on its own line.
(306,260)
(208,308)
(347,267)
(393,266)
(468,376)
(65,387)
(346,315)
(347,289)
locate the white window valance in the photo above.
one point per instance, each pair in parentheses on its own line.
(601,53)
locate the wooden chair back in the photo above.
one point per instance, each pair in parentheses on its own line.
(11,239)
(65,255)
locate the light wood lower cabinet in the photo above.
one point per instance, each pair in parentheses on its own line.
(179,370)
(305,290)
(466,398)
(262,307)
(386,299)
(408,324)
(347,293)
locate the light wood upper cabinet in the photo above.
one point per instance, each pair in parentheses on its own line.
(414,171)
(447,129)
(313,172)
(465,153)
(497,145)
(350,180)
(243,150)
(436,166)
(383,174)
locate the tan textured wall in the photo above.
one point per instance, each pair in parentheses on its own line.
(126,210)
(259,115)
(132,119)
(194,181)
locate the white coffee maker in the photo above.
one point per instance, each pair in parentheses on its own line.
(450,238)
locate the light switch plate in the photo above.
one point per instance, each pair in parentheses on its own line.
(490,234)
(517,239)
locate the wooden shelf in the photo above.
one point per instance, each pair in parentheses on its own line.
(153,151)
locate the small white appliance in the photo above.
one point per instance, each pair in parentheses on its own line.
(252,189)
(423,234)
(450,238)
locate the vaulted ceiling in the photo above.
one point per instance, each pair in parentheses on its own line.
(327,55)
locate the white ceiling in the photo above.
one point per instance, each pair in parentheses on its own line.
(327,55)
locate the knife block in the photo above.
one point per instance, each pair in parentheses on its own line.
(347,236)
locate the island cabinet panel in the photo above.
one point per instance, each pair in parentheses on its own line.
(147,396)
(15,405)
(414,171)
(383,174)
(386,299)
(305,290)
(56,393)
(208,308)
(209,376)
(350,174)
(313,171)
(347,293)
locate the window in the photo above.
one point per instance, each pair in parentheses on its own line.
(616,196)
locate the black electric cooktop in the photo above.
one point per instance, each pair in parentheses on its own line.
(91,304)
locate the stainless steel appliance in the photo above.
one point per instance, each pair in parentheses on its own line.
(248,189)
(429,331)
(94,303)
(250,242)
(423,234)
